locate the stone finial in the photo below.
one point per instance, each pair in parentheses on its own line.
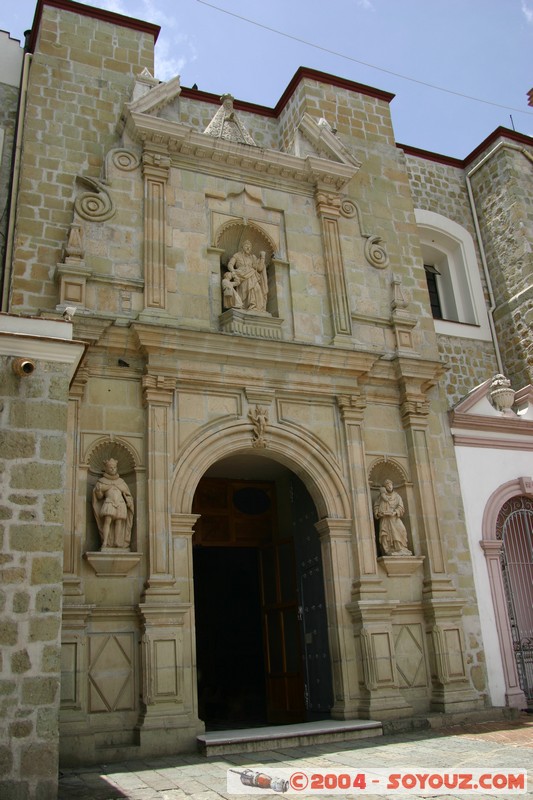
(501,394)
(227,125)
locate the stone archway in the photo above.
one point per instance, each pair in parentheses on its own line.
(322,479)
(492,547)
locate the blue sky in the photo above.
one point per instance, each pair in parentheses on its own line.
(479,48)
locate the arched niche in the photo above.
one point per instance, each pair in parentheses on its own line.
(381,470)
(127,466)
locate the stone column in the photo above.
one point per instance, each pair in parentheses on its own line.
(156,167)
(337,559)
(366,577)
(158,397)
(415,419)
(71,542)
(328,208)
(514,696)
(451,689)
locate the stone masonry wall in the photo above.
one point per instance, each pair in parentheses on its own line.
(82,73)
(33,415)
(502,192)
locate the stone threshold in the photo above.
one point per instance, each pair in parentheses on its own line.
(276,737)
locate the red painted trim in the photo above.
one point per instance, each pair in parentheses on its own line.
(89,11)
(506,133)
(299,75)
(239,105)
(428,155)
(331,80)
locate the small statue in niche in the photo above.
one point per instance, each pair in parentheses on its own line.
(389,509)
(113,508)
(247,276)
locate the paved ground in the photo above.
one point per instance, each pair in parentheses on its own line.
(487,745)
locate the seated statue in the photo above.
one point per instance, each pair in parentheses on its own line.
(246,277)
(389,509)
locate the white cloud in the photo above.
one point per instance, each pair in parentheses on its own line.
(171,56)
(366,4)
(527,12)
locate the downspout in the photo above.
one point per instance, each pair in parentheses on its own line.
(486,274)
(6,285)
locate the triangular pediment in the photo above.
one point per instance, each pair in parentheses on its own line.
(319,139)
(155,97)
(477,403)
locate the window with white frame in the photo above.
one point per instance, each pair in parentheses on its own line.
(452,273)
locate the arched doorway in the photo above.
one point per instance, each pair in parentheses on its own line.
(260,613)
(514,528)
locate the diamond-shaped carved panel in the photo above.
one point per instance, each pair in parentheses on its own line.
(111,684)
(410,660)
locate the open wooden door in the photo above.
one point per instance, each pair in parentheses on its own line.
(281,625)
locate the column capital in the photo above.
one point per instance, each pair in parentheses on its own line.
(328,203)
(352,406)
(155,165)
(158,389)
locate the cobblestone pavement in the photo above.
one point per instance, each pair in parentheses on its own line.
(487,745)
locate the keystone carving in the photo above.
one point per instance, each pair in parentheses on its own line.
(259,420)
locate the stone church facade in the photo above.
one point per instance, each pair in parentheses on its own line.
(258,359)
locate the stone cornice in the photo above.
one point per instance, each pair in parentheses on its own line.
(204,349)
(188,148)
(504,432)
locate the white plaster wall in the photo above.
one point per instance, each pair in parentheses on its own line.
(481,472)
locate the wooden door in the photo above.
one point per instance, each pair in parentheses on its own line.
(281,624)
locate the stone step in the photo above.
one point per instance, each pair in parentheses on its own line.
(277,737)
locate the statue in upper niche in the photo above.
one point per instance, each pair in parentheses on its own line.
(389,509)
(245,283)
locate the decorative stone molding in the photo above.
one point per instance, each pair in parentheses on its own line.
(400,566)
(112,563)
(97,205)
(248,323)
(259,419)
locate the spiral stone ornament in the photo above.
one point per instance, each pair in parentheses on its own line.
(95,206)
(124,160)
(375,252)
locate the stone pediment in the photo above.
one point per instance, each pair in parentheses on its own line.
(476,421)
(150,97)
(189,148)
(319,138)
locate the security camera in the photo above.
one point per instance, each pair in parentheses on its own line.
(23,366)
(69,312)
